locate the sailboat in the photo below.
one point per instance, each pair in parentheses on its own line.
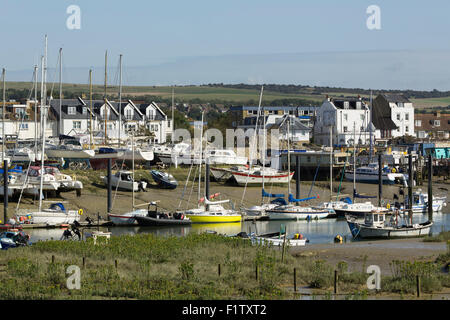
(357,209)
(128,218)
(57,213)
(211,211)
(290,211)
(260,210)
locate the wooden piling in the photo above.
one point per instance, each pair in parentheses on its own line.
(218,269)
(335,281)
(418,286)
(295,279)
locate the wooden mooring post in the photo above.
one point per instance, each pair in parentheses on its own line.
(335,281)
(295,279)
(256,272)
(418,286)
(218,269)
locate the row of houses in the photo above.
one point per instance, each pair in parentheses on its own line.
(76,116)
(345,121)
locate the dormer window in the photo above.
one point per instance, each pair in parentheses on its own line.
(346,104)
(436,123)
(129,114)
(84,110)
(418,123)
(358,105)
(72,110)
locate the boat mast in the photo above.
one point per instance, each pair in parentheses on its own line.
(43,108)
(120,97)
(90,98)
(35,112)
(289,156)
(132,150)
(354,161)
(60,89)
(4,111)
(331,163)
(264,139)
(370,127)
(201,154)
(173,118)
(104,97)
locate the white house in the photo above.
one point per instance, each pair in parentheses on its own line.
(156,121)
(347,118)
(393,115)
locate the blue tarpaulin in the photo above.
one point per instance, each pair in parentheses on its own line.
(271,195)
(292,199)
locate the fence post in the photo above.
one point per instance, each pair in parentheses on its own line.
(418,286)
(295,279)
(256,272)
(218,269)
(335,281)
(53,259)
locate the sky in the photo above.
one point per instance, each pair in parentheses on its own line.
(321,42)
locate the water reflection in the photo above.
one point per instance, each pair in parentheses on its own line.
(319,231)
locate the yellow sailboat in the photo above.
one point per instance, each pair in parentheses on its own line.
(213,212)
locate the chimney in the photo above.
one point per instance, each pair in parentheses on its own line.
(437,114)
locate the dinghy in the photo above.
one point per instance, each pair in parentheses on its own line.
(164,180)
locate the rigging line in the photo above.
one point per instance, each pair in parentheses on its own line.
(315,176)
(23,187)
(117,185)
(342,178)
(192,187)
(185,186)
(249,151)
(54,75)
(32,86)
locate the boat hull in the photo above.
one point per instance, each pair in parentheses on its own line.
(206,218)
(365,232)
(149,221)
(295,215)
(243,178)
(126,218)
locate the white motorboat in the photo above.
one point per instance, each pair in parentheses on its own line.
(277,239)
(69,151)
(224,156)
(22,155)
(49,182)
(66,182)
(369,174)
(293,212)
(375,225)
(259,210)
(140,155)
(357,209)
(127,218)
(55,215)
(124,180)
(254,175)
(420,202)
(169,154)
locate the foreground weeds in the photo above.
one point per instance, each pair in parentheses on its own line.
(197,266)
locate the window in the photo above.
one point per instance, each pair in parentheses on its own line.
(418,123)
(129,114)
(346,104)
(77,124)
(345,117)
(84,110)
(23,126)
(345,129)
(72,110)
(361,116)
(398,116)
(168,124)
(407,116)
(437,123)
(406,129)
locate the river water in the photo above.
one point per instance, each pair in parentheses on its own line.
(318,231)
